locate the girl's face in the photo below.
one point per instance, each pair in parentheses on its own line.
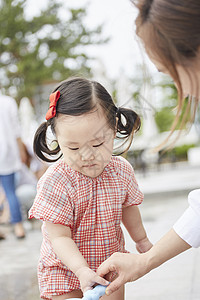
(86,142)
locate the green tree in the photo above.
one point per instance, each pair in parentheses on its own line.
(45,48)
(164,119)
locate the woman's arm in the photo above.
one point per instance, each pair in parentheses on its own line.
(69,254)
(130,267)
(131,219)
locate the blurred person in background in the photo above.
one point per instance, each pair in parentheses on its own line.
(12,154)
(170,33)
(26,179)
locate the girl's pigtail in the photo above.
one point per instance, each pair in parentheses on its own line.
(128,124)
(40,144)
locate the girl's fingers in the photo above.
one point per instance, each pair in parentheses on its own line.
(94,280)
(88,288)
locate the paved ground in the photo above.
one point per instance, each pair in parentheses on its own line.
(177,279)
(165,200)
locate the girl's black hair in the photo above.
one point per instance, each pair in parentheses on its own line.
(77,97)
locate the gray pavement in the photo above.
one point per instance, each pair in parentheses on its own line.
(165,200)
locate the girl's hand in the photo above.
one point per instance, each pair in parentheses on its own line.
(143,245)
(88,278)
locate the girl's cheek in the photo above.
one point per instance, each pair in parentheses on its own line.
(73,159)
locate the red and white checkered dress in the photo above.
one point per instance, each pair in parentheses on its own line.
(92,208)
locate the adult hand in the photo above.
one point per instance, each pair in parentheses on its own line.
(129,267)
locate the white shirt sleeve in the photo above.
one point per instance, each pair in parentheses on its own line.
(10,160)
(188,226)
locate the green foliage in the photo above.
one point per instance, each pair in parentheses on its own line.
(166,115)
(42,49)
(181,151)
(164,119)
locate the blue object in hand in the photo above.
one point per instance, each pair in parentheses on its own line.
(93,294)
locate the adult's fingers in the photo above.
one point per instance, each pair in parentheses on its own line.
(115,285)
(108,266)
(112,264)
(127,266)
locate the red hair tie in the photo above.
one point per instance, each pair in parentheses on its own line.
(52,107)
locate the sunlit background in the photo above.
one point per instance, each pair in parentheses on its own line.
(45,41)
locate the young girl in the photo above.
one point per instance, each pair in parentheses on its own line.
(83,197)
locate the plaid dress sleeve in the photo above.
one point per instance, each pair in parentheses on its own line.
(133,194)
(53,202)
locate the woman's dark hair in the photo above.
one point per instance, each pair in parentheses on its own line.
(170,32)
(79,96)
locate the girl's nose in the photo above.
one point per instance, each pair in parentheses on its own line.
(87,153)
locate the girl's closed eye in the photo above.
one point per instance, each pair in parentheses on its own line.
(77,148)
(73,149)
(95,146)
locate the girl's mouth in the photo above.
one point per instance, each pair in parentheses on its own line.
(89,166)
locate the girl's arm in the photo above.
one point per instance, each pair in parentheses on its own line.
(130,267)
(69,254)
(131,219)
